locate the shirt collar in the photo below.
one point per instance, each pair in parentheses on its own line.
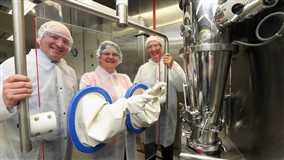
(45,62)
(104,73)
(151,61)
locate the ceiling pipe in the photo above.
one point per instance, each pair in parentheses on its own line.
(122,12)
(154,14)
(36,1)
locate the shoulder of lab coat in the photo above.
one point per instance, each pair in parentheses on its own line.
(124,78)
(100,75)
(144,69)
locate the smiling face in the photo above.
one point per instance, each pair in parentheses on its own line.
(154,50)
(109,59)
(54,40)
(54,44)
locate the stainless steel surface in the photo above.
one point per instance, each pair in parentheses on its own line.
(232,152)
(234,12)
(257,91)
(20,66)
(208,58)
(206,90)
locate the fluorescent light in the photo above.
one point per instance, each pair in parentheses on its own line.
(11,38)
(28,6)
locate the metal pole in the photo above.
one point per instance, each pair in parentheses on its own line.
(21,68)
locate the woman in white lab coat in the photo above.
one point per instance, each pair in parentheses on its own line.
(121,144)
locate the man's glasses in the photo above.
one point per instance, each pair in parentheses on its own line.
(57,38)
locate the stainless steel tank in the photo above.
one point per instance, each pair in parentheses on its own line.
(213,37)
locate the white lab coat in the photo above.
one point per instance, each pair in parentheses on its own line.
(57,85)
(148,74)
(116,85)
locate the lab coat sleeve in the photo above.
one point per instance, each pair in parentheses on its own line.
(100,121)
(177,76)
(145,109)
(6,70)
(4,112)
(75,85)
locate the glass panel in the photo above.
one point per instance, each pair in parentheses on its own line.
(82,56)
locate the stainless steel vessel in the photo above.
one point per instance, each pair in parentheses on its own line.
(210,36)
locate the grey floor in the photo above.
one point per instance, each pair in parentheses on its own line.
(140,156)
(77,155)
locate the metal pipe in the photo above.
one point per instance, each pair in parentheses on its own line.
(154,14)
(187,32)
(122,12)
(21,68)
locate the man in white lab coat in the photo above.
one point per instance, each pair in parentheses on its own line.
(49,86)
(162,132)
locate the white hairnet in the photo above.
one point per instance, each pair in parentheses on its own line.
(157,39)
(56,28)
(104,45)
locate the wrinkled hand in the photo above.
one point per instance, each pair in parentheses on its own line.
(168,60)
(157,90)
(16,88)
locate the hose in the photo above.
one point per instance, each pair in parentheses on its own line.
(266,40)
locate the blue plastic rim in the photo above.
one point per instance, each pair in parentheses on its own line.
(71,117)
(128,94)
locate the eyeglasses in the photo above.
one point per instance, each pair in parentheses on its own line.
(110,54)
(57,38)
(153,46)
